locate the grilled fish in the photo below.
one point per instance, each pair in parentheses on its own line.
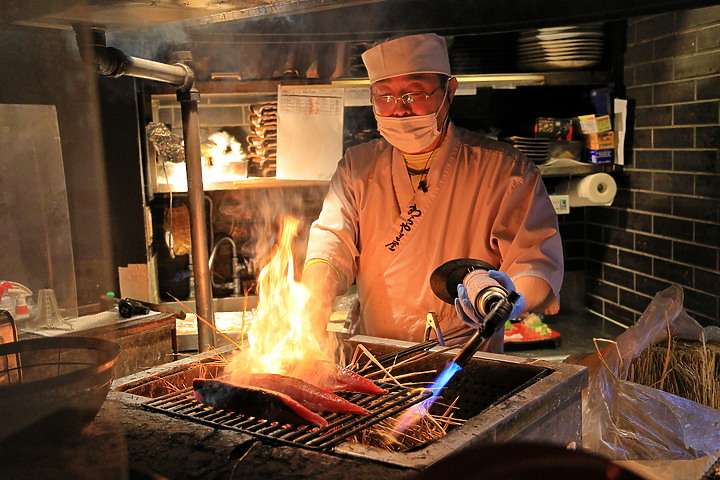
(307,394)
(254,402)
(340,379)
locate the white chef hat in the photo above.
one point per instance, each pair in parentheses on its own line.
(424,53)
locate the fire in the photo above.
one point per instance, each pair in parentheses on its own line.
(281,338)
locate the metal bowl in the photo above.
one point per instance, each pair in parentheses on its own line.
(53,386)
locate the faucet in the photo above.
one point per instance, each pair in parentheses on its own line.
(235,265)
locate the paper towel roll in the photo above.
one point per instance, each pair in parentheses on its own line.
(595,189)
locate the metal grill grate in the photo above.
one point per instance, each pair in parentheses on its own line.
(340,426)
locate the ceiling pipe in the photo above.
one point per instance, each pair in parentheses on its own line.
(111,62)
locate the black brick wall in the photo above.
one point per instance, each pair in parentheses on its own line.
(664,226)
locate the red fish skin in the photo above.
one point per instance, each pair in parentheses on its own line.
(254,401)
(307,394)
(341,379)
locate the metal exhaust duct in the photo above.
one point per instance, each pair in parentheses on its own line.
(111,62)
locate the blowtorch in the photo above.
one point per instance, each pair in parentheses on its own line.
(487,296)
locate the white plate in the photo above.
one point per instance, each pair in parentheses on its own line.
(561,36)
(559,64)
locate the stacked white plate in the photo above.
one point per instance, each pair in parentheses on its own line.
(536,149)
(560,48)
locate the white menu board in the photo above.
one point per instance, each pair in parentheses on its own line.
(310,132)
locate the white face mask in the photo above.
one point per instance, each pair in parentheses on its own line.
(410,134)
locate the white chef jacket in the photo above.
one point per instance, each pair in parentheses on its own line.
(485,200)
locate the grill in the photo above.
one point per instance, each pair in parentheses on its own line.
(340,426)
(499,398)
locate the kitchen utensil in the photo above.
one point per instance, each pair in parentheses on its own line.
(59,385)
(48,313)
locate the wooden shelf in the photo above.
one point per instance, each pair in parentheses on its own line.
(252,182)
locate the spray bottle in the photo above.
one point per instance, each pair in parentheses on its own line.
(16,300)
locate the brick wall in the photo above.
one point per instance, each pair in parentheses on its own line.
(665,223)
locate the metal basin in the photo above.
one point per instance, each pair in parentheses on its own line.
(188,342)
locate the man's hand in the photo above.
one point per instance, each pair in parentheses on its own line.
(503,279)
(466,310)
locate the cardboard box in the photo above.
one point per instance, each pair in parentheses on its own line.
(601,156)
(600,141)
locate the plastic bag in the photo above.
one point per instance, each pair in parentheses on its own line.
(628,421)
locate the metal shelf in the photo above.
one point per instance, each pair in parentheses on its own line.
(571,170)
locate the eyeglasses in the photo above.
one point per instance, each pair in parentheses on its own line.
(385,104)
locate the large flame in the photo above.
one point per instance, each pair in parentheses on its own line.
(281,338)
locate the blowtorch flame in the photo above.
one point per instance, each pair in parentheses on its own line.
(281,339)
(415,413)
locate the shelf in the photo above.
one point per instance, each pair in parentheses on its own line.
(570,170)
(252,182)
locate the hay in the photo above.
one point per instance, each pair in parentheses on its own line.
(685,368)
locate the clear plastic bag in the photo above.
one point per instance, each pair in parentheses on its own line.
(628,421)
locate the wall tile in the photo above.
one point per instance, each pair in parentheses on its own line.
(634,300)
(602,253)
(652,245)
(620,238)
(705,257)
(696,113)
(639,52)
(603,289)
(708,38)
(696,161)
(661,71)
(672,272)
(655,26)
(654,159)
(674,92)
(642,96)
(699,302)
(572,231)
(708,282)
(707,233)
(574,264)
(623,199)
(594,269)
(619,277)
(638,221)
(653,202)
(649,285)
(642,138)
(678,137)
(695,66)
(666,182)
(707,137)
(620,314)
(574,249)
(604,215)
(676,45)
(635,261)
(692,19)
(707,186)
(697,208)
(653,116)
(708,88)
(595,308)
(672,227)
(594,233)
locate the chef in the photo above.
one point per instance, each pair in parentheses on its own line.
(426,193)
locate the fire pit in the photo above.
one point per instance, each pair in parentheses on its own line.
(501,398)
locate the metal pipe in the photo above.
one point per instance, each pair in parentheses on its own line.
(198,232)
(178,74)
(110,61)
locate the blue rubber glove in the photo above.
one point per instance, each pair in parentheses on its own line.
(465,309)
(503,279)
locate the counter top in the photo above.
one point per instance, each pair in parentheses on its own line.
(127,442)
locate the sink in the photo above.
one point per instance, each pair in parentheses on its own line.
(188,341)
(224,304)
